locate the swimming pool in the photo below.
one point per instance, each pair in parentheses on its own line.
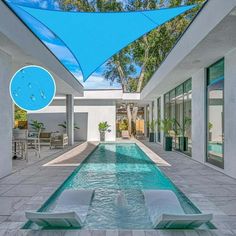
(113,168)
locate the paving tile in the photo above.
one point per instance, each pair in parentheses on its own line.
(23,191)
(5,187)
(113,233)
(17,216)
(11,204)
(151,233)
(85,233)
(72,233)
(138,232)
(125,233)
(13,179)
(3,232)
(3,218)
(98,233)
(10,225)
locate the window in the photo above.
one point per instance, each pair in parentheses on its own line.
(187,118)
(158,119)
(178,108)
(167,105)
(152,110)
(147,118)
(215,114)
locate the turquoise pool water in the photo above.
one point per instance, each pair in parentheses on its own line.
(215,148)
(110,170)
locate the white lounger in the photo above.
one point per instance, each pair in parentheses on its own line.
(70,211)
(187,221)
(166,212)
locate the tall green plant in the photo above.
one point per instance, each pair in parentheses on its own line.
(64,125)
(37,126)
(180,129)
(151,125)
(167,126)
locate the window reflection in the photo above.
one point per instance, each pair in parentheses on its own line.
(159,119)
(215,114)
(178,108)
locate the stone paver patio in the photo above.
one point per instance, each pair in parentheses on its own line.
(30,187)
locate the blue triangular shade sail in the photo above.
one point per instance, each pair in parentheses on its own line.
(94,37)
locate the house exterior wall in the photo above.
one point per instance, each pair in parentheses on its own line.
(6,115)
(230,113)
(98,111)
(198,116)
(88,114)
(199,112)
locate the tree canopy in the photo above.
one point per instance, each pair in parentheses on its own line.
(133,66)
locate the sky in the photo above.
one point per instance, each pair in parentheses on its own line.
(96,80)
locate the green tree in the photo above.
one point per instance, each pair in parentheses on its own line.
(20,115)
(146,53)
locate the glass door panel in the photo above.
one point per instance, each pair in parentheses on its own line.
(215,114)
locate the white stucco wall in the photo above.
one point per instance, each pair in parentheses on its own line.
(198,116)
(230,113)
(5,116)
(98,111)
(88,114)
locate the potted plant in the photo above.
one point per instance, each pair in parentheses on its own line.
(180,132)
(37,126)
(166,127)
(103,127)
(151,126)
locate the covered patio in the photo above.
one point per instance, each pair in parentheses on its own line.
(19,47)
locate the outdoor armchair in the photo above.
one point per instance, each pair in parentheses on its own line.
(58,140)
(45,138)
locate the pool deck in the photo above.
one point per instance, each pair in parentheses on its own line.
(29,187)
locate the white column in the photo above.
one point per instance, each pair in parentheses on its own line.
(230,114)
(70,118)
(199,116)
(6,114)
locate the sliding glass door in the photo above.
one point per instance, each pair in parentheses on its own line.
(215,114)
(178,108)
(187,125)
(159,120)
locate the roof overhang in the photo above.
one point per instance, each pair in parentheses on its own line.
(210,36)
(25,48)
(108,94)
